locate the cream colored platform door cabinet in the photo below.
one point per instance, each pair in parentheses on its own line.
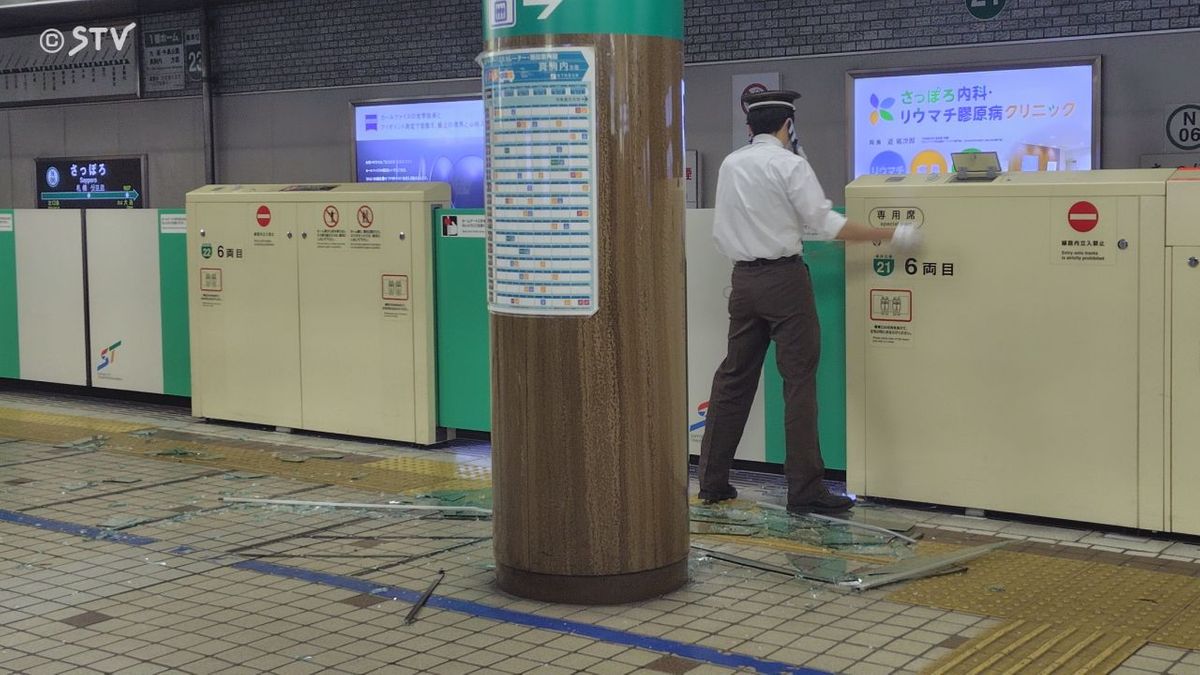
(366,318)
(322,319)
(244,308)
(1183,233)
(999,367)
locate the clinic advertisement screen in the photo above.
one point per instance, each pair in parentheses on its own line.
(1036,118)
(423,141)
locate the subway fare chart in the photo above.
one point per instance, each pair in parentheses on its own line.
(90,183)
(541,206)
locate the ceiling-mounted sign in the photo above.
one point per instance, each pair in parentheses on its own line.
(90,183)
(1183,126)
(86,62)
(193,55)
(512,18)
(985,9)
(162,60)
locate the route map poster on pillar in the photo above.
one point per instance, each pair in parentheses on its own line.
(541,167)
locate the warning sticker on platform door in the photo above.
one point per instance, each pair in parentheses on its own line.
(1082,232)
(263,238)
(891,317)
(541,107)
(335,239)
(210,280)
(366,240)
(172,223)
(211,285)
(395,295)
(6,222)
(464,226)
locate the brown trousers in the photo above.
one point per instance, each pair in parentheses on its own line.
(773,301)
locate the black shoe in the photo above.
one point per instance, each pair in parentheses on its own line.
(711,497)
(827,503)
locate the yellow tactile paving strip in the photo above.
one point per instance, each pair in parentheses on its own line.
(53,428)
(407,475)
(395,475)
(1183,631)
(1066,615)
(1031,647)
(456,476)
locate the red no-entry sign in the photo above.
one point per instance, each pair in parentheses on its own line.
(263,216)
(1083,217)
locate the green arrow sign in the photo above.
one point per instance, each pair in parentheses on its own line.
(79,196)
(512,18)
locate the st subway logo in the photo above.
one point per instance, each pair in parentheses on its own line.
(108,356)
(52,40)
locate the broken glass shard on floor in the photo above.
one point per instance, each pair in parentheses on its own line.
(186,453)
(122,522)
(82,485)
(89,443)
(826,569)
(703,527)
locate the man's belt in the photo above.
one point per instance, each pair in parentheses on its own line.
(760,262)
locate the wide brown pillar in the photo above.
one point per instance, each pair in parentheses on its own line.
(587,297)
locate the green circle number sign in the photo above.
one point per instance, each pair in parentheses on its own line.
(985,9)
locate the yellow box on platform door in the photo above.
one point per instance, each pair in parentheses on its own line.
(1022,360)
(312,307)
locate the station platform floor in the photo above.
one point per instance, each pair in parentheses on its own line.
(123,549)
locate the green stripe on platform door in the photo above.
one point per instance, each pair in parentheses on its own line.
(10,337)
(827,265)
(463,341)
(172,273)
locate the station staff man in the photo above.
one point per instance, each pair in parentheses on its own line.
(768,201)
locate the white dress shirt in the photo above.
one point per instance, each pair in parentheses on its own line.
(768,201)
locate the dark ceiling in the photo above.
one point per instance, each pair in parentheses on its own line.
(20,15)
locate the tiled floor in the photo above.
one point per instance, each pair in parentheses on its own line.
(199,585)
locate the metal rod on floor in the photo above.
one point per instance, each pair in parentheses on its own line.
(412,613)
(745,562)
(345,505)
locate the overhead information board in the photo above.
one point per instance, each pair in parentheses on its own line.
(72,64)
(91,183)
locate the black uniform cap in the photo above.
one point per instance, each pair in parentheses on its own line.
(781,98)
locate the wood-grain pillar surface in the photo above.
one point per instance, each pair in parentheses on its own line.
(589,414)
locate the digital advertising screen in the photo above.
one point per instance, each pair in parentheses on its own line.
(90,183)
(421,141)
(1035,117)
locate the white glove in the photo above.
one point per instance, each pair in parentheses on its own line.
(906,238)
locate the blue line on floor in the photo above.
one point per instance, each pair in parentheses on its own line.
(73,528)
(598,633)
